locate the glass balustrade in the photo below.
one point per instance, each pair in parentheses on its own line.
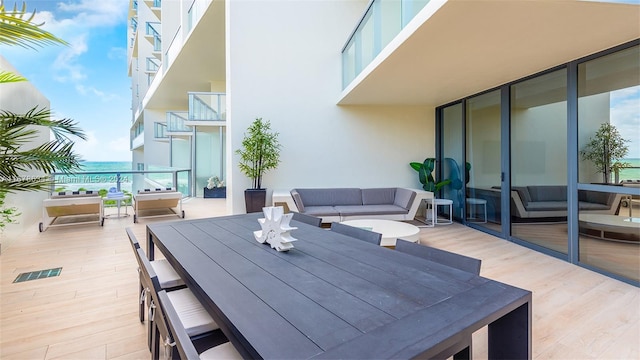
(207,106)
(127,181)
(175,121)
(160,131)
(381,22)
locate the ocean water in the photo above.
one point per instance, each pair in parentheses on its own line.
(631,173)
(97,181)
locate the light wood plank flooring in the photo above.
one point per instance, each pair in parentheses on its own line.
(90,310)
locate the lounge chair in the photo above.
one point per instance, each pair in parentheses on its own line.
(147,203)
(71,204)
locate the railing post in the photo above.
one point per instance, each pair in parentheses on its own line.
(175,179)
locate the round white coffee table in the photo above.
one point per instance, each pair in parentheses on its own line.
(612,224)
(390,230)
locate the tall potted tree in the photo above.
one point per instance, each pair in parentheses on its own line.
(605,149)
(260,152)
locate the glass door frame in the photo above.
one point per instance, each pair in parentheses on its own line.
(573,184)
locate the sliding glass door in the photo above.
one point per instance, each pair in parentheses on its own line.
(552,161)
(539,160)
(483,187)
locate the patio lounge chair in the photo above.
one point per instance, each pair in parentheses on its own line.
(148,202)
(71,204)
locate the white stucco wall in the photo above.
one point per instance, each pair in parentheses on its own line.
(284,65)
(19,98)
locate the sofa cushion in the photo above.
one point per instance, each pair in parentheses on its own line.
(320,211)
(404,198)
(596,197)
(548,193)
(546,205)
(330,197)
(583,205)
(380,196)
(350,210)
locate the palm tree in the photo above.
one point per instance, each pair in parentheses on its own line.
(17,28)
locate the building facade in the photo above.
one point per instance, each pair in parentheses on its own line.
(358,89)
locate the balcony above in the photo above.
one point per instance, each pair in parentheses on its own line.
(155,6)
(452,49)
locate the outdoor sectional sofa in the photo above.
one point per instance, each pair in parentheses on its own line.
(545,201)
(339,204)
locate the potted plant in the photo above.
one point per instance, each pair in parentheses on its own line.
(215,188)
(260,152)
(605,149)
(425,175)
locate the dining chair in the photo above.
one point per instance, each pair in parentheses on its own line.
(195,319)
(358,233)
(461,262)
(307,219)
(167,276)
(182,345)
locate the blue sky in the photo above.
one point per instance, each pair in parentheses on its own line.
(86,81)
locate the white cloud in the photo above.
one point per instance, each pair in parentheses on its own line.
(67,61)
(103,149)
(117,53)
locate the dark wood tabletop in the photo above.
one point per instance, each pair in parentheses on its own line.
(333,296)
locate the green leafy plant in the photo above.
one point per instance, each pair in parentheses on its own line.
(8,215)
(260,151)
(425,175)
(605,149)
(17,28)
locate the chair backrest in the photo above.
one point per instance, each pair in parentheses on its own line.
(307,219)
(464,263)
(132,239)
(358,233)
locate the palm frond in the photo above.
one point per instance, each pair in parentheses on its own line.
(17,28)
(9,77)
(14,185)
(61,129)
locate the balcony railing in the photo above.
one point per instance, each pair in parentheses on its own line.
(207,106)
(152,65)
(160,131)
(381,22)
(176,121)
(125,180)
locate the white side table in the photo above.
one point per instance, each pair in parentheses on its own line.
(117,200)
(473,203)
(434,210)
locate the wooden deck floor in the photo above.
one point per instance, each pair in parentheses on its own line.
(90,310)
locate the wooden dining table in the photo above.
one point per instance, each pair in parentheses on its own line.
(333,296)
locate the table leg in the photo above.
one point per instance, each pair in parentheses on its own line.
(510,336)
(150,246)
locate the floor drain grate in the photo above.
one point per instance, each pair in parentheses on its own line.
(41,274)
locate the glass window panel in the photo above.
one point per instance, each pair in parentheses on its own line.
(609,99)
(609,232)
(483,160)
(539,160)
